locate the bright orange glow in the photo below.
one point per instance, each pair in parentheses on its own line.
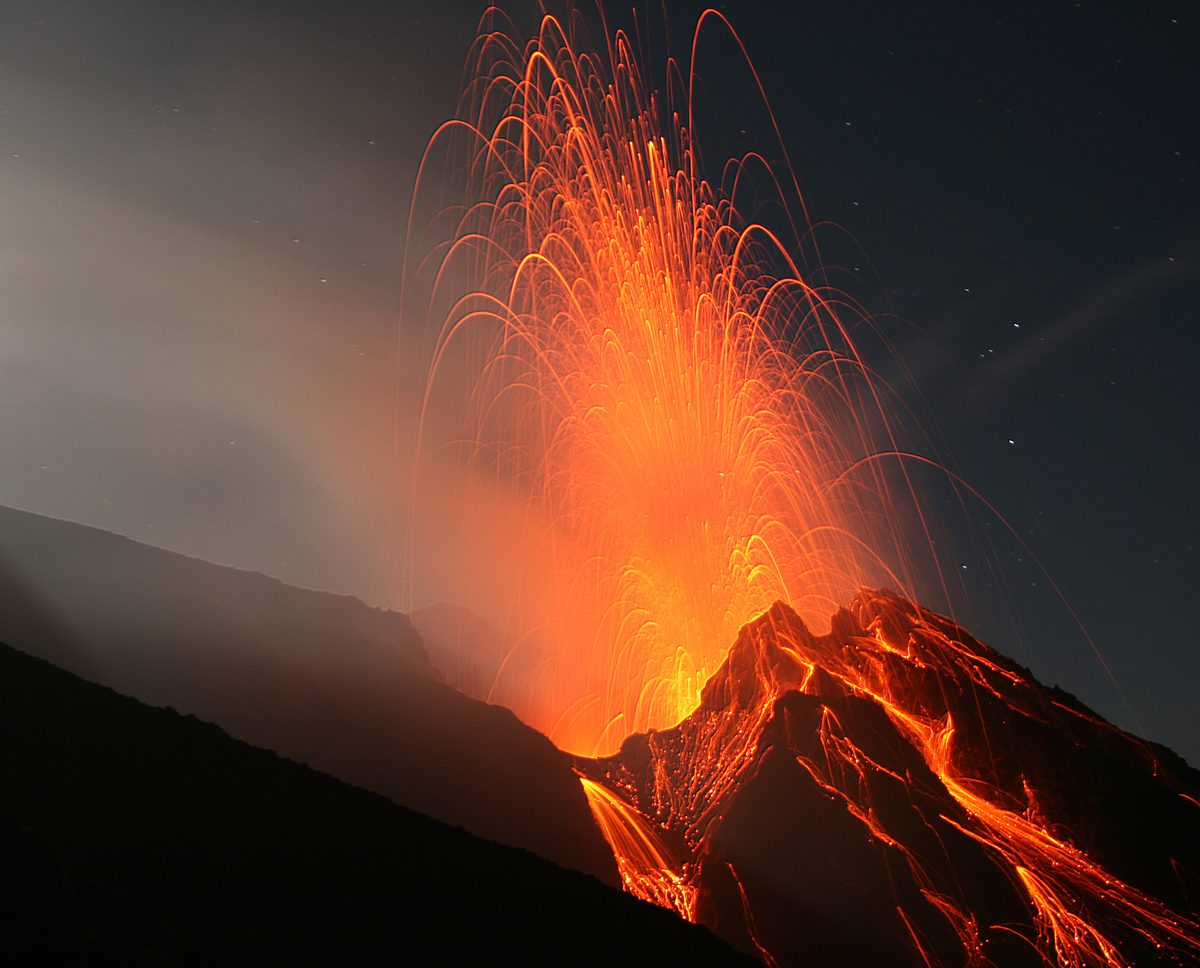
(1077,901)
(645,863)
(666,425)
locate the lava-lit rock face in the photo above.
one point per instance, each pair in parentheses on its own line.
(896,792)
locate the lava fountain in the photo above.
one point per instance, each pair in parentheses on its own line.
(656,421)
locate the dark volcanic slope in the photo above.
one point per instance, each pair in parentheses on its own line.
(322,679)
(897,793)
(133,835)
(466,650)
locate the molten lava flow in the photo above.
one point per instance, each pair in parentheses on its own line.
(667,428)
(926,743)
(644,861)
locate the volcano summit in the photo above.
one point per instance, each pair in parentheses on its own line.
(896,792)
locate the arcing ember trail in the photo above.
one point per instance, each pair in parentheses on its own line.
(654,428)
(659,430)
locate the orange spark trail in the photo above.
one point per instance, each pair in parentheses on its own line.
(665,426)
(643,860)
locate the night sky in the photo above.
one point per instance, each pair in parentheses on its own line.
(202,222)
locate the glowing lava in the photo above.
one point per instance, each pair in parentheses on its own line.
(666,428)
(973,817)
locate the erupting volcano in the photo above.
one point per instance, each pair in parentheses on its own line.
(654,425)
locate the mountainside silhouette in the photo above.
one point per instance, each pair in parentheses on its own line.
(320,678)
(897,793)
(132,835)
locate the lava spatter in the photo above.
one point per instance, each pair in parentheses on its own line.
(651,419)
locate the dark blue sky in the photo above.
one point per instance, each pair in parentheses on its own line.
(202,212)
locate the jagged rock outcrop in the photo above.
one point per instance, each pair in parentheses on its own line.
(897,793)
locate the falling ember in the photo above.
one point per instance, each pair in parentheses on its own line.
(643,860)
(666,428)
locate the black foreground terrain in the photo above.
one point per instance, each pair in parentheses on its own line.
(132,835)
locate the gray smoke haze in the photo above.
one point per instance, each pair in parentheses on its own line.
(202,217)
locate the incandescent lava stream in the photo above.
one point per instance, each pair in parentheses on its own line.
(897,793)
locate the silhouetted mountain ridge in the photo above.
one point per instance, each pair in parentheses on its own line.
(323,679)
(133,835)
(467,651)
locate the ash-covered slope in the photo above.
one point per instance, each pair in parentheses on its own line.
(467,651)
(323,679)
(132,835)
(897,793)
